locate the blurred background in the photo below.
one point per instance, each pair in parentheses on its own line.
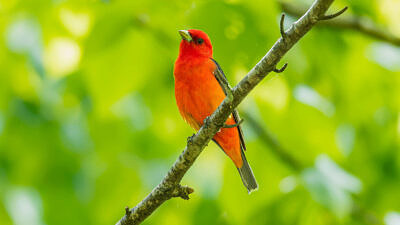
(89,124)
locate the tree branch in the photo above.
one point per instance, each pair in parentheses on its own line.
(274,145)
(360,24)
(358,212)
(170,183)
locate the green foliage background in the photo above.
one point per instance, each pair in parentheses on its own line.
(89,124)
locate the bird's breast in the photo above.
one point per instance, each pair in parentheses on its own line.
(197,91)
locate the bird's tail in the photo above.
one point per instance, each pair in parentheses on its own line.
(247,175)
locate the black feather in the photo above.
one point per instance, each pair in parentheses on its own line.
(245,171)
(222,80)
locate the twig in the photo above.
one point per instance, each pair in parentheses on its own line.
(360,24)
(127,211)
(269,140)
(168,186)
(282,27)
(331,16)
(182,192)
(281,69)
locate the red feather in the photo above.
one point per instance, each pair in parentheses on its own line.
(198,94)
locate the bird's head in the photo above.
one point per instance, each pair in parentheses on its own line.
(195,43)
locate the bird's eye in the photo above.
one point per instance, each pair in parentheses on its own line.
(200,41)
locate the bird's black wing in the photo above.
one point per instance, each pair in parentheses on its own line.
(223,82)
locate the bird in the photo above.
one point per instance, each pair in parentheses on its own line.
(198,93)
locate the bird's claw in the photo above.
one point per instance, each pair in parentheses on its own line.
(233,125)
(282,27)
(190,139)
(206,121)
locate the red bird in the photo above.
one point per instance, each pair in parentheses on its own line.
(198,94)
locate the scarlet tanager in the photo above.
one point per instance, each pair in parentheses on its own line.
(198,94)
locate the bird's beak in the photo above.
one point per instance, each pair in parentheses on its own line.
(185,35)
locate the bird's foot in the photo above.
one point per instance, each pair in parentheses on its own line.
(233,125)
(206,121)
(190,139)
